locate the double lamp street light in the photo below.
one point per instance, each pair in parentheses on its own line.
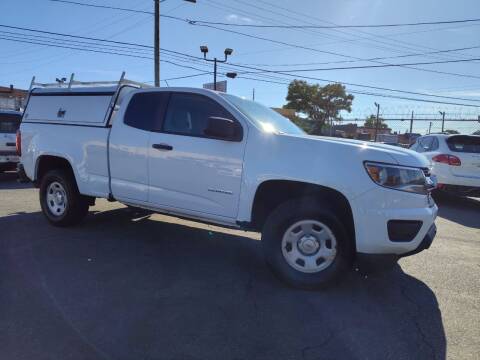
(203,49)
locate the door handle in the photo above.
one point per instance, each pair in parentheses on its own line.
(162,147)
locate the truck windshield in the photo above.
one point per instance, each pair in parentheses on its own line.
(9,123)
(266,118)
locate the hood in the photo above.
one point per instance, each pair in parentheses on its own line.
(368,151)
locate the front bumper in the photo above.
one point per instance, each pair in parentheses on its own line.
(378,261)
(426,242)
(375,209)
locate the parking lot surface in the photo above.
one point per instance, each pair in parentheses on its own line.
(126,285)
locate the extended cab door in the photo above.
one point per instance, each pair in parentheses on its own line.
(129,145)
(189,171)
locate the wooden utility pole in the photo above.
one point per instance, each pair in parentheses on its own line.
(157,42)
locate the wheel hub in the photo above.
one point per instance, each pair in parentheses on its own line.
(56,198)
(308,245)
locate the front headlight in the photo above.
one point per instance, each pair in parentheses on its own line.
(398,177)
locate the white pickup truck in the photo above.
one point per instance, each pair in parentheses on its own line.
(320,203)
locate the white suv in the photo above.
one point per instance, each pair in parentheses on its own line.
(455,161)
(9,124)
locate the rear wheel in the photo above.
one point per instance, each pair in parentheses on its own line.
(305,244)
(60,200)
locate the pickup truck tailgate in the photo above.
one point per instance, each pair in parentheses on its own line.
(9,123)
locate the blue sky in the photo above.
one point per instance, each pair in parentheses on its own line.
(18,62)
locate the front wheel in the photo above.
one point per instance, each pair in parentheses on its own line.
(60,200)
(305,244)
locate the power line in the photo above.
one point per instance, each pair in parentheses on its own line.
(333,53)
(281,26)
(103,6)
(376,94)
(389,65)
(302,18)
(276,6)
(187,76)
(75,36)
(235,65)
(47,39)
(370,37)
(206,24)
(97,51)
(202,22)
(375,58)
(290,74)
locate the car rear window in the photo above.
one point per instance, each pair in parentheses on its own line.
(9,123)
(464,143)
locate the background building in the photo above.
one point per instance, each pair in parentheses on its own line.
(11,98)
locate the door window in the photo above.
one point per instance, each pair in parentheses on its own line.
(188,114)
(434,146)
(424,144)
(146,109)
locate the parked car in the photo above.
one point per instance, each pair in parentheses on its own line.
(455,161)
(9,124)
(320,203)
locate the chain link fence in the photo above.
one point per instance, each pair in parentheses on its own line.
(400,130)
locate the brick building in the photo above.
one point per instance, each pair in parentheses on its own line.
(12,98)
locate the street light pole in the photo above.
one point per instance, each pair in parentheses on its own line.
(215,74)
(227,52)
(376,123)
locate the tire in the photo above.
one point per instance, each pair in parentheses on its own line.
(325,250)
(60,200)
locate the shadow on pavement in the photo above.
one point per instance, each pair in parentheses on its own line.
(8,180)
(119,287)
(462,210)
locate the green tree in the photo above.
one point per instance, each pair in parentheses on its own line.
(451,132)
(319,103)
(370,122)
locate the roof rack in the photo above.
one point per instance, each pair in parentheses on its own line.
(61,83)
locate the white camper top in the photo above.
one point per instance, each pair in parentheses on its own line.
(75,103)
(87,106)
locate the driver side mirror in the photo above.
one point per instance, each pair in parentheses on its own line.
(222,129)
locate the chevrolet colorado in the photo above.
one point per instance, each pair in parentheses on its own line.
(320,203)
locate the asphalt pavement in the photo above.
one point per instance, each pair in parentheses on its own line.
(126,285)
